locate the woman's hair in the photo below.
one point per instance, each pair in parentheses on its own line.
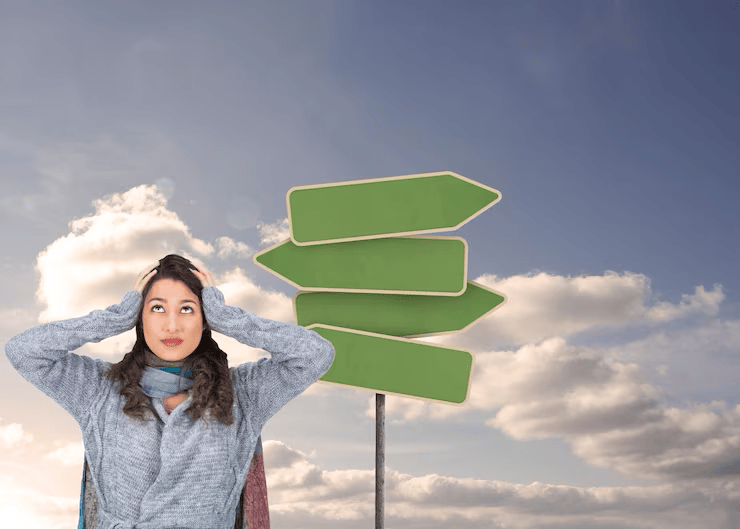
(212,387)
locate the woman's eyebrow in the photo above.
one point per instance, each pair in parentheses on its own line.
(165,301)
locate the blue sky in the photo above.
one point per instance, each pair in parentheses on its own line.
(610,127)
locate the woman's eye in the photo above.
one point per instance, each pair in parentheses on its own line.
(188,309)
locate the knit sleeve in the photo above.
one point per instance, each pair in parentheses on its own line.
(298,356)
(42,354)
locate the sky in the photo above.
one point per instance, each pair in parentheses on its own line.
(603,392)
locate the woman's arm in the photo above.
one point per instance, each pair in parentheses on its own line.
(41,354)
(299,357)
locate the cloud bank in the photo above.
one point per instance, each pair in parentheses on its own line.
(530,378)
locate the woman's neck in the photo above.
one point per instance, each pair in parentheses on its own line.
(153,360)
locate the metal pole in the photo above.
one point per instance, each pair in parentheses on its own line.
(379,458)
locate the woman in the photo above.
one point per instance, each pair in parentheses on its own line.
(170,451)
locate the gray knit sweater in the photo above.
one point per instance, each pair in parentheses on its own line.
(169,473)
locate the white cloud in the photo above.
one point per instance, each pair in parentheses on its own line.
(29,490)
(665,345)
(274,233)
(676,443)
(603,408)
(542,305)
(701,302)
(553,389)
(300,492)
(67,454)
(228,247)
(13,437)
(27,499)
(98,261)
(589,396)
(241,291)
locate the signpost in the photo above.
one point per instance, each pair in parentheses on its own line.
(397,265)
(398,315)
(387,364)
(384,207)
(370,285)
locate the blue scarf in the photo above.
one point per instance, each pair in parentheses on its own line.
(163,382)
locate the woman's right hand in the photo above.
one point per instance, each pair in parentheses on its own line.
(144,276)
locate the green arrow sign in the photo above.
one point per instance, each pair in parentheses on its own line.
(379,207)
(397,265)
(398,315)
(397,366)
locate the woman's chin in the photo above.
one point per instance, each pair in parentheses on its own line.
(173,354)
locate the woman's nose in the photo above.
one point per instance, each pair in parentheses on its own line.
(172,322)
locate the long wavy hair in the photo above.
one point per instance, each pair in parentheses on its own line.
(212,389)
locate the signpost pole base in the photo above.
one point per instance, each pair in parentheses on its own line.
(379,458)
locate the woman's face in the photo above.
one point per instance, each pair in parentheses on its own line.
(172,320)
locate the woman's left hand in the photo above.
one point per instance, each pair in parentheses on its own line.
(206,279)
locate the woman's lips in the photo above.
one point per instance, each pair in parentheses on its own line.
(171,342)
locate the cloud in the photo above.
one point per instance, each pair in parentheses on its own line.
(701,302)
(28,496)
(677,444)
(299,491)
(589,395)
(718,337)
(98,261)
(228,247)
(241,291)
(545,390)
(28,500)
(67,454)
(274,233)
(540,306)
(603,408)
(27,508)
(13,437)
(554,389)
